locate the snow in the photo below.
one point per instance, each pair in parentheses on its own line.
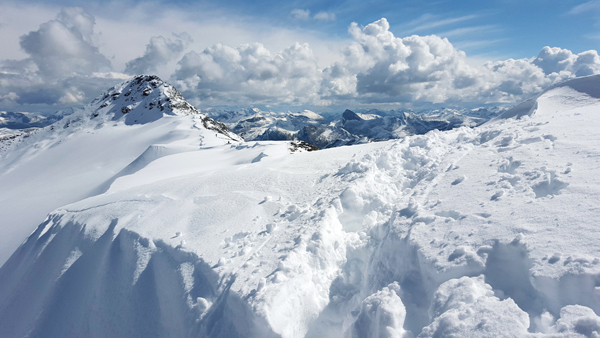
(81,154)
(348,127)
(472,232)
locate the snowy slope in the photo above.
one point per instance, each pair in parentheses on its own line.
(473,232)
(82,153)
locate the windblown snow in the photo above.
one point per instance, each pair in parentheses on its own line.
(176,228)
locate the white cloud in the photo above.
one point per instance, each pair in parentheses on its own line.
(325,16)
(379,67)
(61,59)
(72,96)
(429,22)
(9,99)
(304,14)
(66,62)
(17,20)
(158,52)
(64,46)
(557,60)
(123,37)
(585,7)
(469,31)
(249,73)
(10,96)
(301,14)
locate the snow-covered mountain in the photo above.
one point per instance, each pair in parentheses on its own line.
(471,232)
(349,127)
(25,120)
(81,154)
(14,124)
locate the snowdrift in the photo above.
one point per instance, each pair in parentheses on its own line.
(473,232)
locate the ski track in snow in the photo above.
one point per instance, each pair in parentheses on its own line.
(465,233)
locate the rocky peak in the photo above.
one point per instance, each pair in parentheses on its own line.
(349,115)
(143,99)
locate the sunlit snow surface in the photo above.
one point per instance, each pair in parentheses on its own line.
(79,155)
(484,232)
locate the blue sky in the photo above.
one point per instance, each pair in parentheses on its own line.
(510,28)
(174,39)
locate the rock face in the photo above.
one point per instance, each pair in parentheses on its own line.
(146,98)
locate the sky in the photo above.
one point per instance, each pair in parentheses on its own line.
(296,55)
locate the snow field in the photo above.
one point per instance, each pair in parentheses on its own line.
(481,232)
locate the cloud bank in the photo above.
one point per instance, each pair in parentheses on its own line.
(249,73)
(65,67)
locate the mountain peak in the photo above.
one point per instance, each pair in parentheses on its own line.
(144,99)
(349,115)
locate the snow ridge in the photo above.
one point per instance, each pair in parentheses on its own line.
(81,154)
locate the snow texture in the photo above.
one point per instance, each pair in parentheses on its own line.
(471,232)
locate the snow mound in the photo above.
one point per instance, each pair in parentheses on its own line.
(587,85)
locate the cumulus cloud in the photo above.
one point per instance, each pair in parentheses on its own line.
(62,56)
(379,67)
(249,73)
(64,46)
(158,52)
(9,99)
(557,60)
(64,66)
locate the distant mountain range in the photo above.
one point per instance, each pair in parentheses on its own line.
(348,127)
(335,130)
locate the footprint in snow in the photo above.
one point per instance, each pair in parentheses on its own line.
(497,195)
(458,180)
(509,165)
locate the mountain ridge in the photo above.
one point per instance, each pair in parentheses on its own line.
(349,127)
(140,118)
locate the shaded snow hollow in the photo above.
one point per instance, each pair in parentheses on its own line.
(473,232)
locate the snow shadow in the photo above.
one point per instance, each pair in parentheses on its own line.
(120,285)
